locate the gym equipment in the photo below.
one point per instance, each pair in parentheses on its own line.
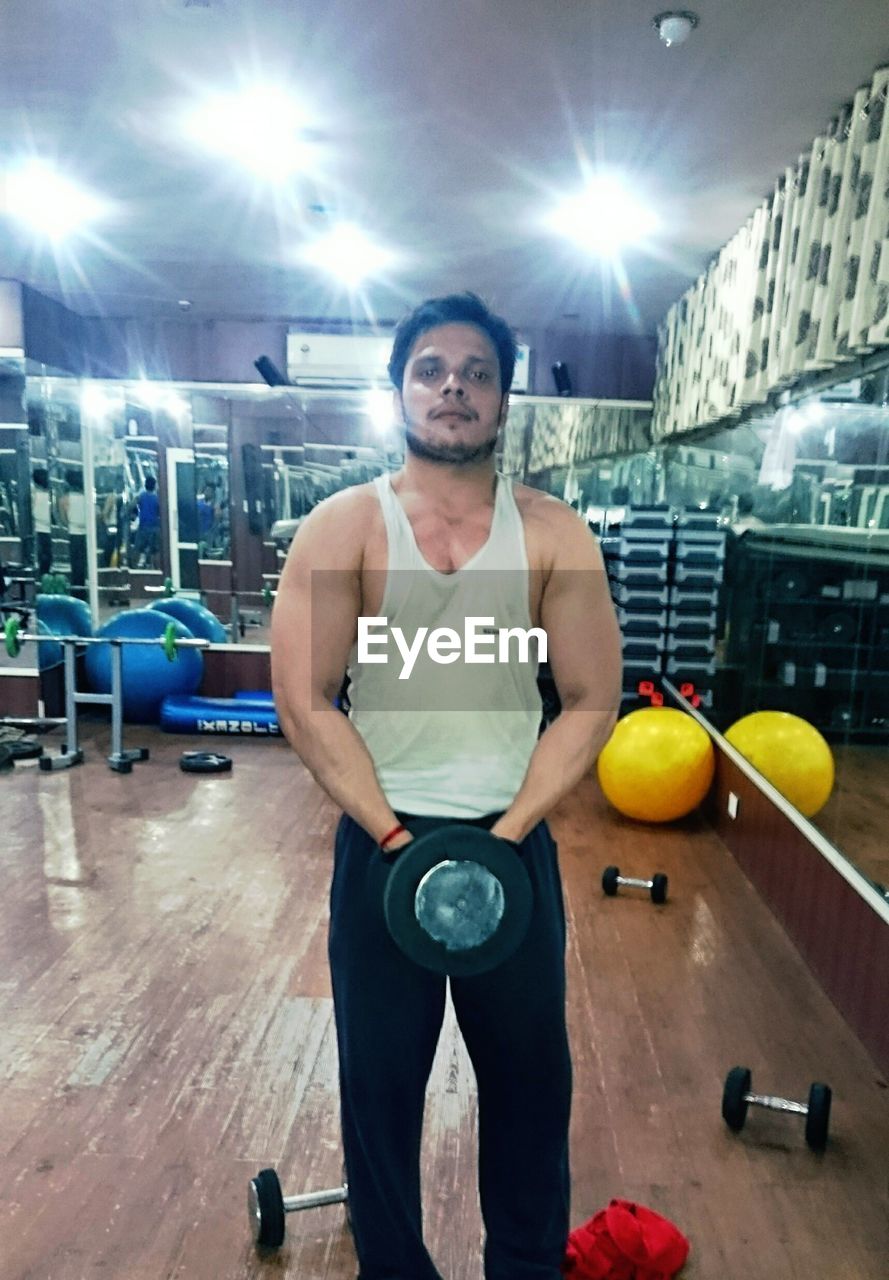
(267,1206)
(204,762)
(657,765)
(121,761)
(50,654)
(790,753)
(25,749)
(657,885)
(64,615)
(736,1098)
(199,621)
(458,900)
(147,678)
(219,715)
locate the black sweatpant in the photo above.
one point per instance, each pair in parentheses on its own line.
(389,1013)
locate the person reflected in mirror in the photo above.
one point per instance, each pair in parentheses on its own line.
(207,517)
(148,509)
(745,518)
(42,517)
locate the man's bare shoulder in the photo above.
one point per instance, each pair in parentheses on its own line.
(336,529)
(558,535)
(546,510)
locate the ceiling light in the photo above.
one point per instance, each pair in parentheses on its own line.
(347,254)
(675,26)
(260,128)
(48,203)
(604,218)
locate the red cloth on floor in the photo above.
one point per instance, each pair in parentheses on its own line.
(626,1241)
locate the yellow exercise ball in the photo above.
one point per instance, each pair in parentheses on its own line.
(657,765)
(790,752)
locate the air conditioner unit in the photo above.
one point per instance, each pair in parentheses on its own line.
(338,359)
(359,360)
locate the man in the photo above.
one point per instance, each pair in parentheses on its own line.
(746,519)
(148,531)
(410,546)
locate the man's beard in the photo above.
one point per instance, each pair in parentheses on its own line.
(451,455)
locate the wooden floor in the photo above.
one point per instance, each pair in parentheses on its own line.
(166,1031)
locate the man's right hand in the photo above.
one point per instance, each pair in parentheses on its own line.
(395,845)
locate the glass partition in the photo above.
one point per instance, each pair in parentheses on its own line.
(802,619)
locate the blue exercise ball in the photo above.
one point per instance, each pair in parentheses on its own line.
(48,655)
(148,675)
(65,615)
(192,614)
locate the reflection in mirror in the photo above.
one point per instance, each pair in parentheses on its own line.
(58,509)
(16,533)
(802,493)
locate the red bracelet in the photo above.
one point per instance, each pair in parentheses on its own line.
(396,831)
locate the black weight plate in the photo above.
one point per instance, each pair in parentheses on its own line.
(457,843)
(25,749)
(734,1102)
(609,880)
(819,1116)
(265,1205)
(204,762)
(841,628)
(790,584)
(659,883)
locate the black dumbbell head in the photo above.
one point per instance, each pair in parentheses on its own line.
(818,1118)
(265,1202)
(734,1101)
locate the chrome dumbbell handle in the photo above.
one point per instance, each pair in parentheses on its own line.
(636,884)
(776,1104)
(315,1199)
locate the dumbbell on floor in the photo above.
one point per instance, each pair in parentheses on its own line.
(657,885)
(267,1206)
(736,1098)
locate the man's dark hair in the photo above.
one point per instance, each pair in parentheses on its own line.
(455,308)
(745,504)
(150,484)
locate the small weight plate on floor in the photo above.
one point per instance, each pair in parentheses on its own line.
(204,762)
(25,749)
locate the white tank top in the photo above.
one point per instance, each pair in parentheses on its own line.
(451,740)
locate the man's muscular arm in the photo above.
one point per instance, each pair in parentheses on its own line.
(584,655)
(314,624)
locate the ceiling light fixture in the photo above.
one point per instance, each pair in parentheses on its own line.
(675,26)
(48,203)
(261,127)
(348,254)
(604,218)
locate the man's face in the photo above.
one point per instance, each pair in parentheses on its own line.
(450,402)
